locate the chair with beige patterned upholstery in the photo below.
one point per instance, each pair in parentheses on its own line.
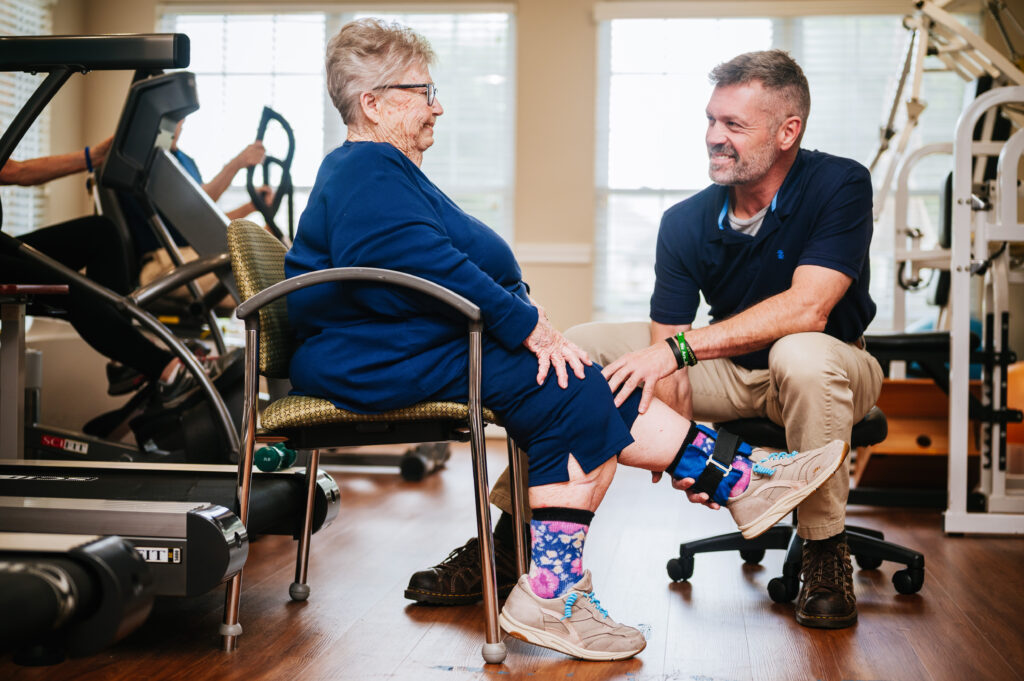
(310,423)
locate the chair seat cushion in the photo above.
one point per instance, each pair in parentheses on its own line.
(296,411)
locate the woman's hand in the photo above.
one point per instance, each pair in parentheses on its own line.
(553,350)
(684,484)
(647,366)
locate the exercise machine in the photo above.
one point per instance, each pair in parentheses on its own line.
(68,594)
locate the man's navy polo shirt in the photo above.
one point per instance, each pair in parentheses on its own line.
(821,216)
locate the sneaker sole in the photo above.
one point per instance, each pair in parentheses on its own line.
(539,637)
(783,506)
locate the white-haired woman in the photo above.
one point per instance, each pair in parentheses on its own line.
(369,349)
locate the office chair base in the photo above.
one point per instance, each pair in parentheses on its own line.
(868,548)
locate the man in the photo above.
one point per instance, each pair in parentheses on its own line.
(778,246)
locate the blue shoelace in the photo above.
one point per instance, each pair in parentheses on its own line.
(761,469)
(571,601)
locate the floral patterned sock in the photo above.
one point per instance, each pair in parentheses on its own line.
(692,459)
(557,536)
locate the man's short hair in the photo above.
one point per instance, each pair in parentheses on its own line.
(777,72)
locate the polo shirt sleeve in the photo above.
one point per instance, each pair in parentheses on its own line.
(399,229)
(676,293)
(841,235)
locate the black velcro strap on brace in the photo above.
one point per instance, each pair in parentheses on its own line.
(719,463)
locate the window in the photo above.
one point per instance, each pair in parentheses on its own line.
(650,149)
(243,61)
(23,207)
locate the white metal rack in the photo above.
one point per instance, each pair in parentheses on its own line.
(980,227)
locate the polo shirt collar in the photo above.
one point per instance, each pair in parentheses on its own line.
(781,206)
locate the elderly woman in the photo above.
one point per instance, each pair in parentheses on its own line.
(367,348)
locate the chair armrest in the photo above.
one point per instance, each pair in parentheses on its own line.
(373,274)
(180,276)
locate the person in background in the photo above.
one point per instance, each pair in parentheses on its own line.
(154,260)
(92,244)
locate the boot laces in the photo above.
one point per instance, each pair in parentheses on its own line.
(826,566)
(464,555)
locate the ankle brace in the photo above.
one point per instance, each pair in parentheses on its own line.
(710,463)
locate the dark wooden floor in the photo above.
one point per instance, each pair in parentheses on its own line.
(966,623)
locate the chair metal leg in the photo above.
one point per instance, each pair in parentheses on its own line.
(515,476)
(230,629)
(299,590)
(493,649)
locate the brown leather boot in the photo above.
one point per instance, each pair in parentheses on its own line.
(826,599)
(456,580)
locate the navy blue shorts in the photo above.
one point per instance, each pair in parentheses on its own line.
(547,422)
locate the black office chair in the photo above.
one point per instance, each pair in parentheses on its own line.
(868,547)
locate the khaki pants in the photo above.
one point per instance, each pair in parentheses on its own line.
(815,386)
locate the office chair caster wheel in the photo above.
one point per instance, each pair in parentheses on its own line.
(752,556)
(413,467)
(868,562)
(783,589)
(908,581)
(680,569)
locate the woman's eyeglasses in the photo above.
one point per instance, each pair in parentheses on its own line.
(431,89)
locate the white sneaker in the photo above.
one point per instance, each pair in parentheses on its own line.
(574,624)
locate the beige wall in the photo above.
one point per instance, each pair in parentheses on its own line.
(66,198)
(556,92)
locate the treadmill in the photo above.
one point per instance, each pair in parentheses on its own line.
(67,594)
(165,534)
(148,501)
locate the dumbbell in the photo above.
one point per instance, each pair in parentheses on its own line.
(274,457)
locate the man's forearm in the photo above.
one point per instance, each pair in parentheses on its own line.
(805,306)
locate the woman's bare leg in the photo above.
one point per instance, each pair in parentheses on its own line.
(584,491)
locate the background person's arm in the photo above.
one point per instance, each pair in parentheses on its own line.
(250,156)
(36,171)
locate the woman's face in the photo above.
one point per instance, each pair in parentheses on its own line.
(406,121)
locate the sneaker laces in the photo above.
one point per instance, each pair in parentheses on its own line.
(573,597)
(761,469)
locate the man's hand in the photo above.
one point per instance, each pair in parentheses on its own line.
(554,350)
(647,366)
(685,484)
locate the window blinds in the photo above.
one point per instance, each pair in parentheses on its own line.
(23,206)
